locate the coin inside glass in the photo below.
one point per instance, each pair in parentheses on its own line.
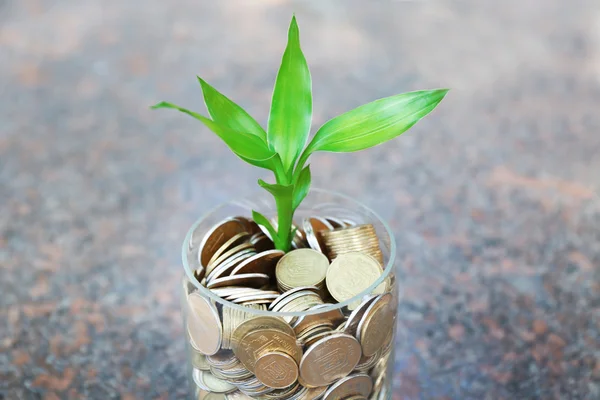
(351,274)
(260,342)
(262,263)
(302,267)
(276,369)
(376,325)
(354,385)
(330,359)
(248,280)
(217,236)
(204,324)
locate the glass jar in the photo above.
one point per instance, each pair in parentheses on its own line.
(339,350)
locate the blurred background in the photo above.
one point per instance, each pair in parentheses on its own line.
(493,197)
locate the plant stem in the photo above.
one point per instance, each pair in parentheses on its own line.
(285,214)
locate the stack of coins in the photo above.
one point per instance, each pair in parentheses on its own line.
(361,238)
(239,351)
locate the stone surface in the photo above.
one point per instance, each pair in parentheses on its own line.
(493,198)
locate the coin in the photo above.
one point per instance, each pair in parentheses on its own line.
(307,321)
(259,323)
(313,393)
(302,267)
(376,325)
(251,226)
(214,396)
(262,263)
(329,359)
(204,325)
(248,280)
(351,327)
(199,360)
(289,393)
(217,236)
(236,240)
(225,268)
(229,255)
(260,342)
(354,385)
(285,295)
(277,370)
(223,359)
(312,228)
(261,242)
(206,381)
(238,396)
(351,274)
(258,298)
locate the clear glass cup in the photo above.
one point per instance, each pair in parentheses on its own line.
(222,376)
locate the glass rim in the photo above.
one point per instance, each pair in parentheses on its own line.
(330,307)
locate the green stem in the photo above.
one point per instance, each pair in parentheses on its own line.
(285,210)
(285,214)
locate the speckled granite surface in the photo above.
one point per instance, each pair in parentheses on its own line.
(493,198)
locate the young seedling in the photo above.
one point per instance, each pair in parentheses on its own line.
(282,148)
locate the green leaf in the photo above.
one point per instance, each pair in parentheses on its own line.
(246,146)
(291,105)
(302,187)
(278,191)
(376,122)
(262,220)
(228,114)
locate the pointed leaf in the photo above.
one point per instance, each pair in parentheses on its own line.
(262,220)
(376,122)
(291,105)
(228,114)
(302,186)
(246,146)
(275,189)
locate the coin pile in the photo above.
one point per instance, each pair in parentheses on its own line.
(322,350)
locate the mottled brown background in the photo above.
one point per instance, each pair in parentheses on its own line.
(493,198)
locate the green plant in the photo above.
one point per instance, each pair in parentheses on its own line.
(282,148)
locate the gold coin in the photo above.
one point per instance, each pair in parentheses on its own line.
(261,263)
(225,268)
(276,370)
(288,293)
(302,267)
(376,325)
(251,226)
(215,396)
(217,236)
(307,321)
(258,298)
(236,240)
(351,327)
(313,393)
(312,228)
(206,381)
(329,359)
(238,396)
(229,255)
(223,359)
(289,393)
(354,385)
(351,274)
(258,323)
(199,360)
(260,342)
(204,325)
(262,243)
(248,280)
